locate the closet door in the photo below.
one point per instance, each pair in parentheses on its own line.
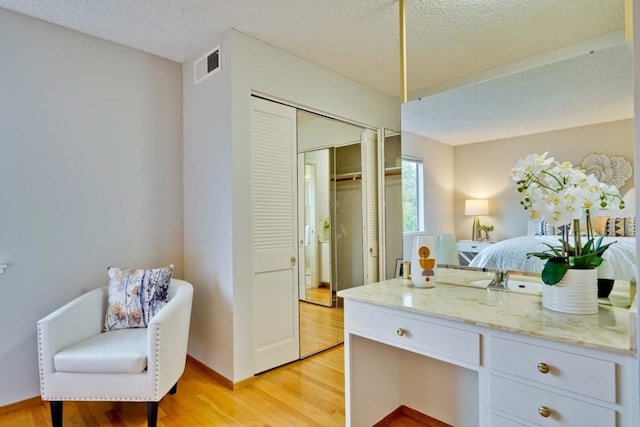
(275,274)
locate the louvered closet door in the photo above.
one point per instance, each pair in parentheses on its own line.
(275,277)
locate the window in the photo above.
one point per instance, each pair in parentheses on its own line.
(412,195)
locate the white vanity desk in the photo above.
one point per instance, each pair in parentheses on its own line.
(472,357)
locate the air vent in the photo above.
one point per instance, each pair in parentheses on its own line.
(207,65)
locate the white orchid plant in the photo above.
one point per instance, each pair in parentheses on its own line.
(563,195)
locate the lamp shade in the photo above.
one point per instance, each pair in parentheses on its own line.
(447,249)
(476,207)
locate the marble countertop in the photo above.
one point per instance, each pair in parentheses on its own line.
(522,313)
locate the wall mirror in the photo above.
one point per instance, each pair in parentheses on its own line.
(392,201)
(349,193)
(573,103)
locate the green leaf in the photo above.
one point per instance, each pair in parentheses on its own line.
(554,270)
(552,252)
(556,265)
(591,260)
(587,247)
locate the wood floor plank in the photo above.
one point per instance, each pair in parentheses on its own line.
(320,327)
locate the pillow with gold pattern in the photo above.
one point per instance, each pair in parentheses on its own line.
(621,227)
(599,225)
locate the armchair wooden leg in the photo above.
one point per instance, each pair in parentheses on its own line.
(56,413)
(174,389)
(152,414)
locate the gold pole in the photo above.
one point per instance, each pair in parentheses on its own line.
(403,54)
(628,20)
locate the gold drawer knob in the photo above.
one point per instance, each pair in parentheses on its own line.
(544,411)
(400,331)
(543,368)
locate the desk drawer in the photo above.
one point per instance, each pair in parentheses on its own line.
(525,402)
(581,374)
(424,337)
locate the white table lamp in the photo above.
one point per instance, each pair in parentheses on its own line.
(476,207)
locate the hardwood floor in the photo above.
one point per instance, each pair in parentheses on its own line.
(320,327)
(321,295)
(309,392)
(407,417)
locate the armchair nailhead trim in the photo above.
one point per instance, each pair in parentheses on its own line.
(157,367)
(105,399)
(40,359)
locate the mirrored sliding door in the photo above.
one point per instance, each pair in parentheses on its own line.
(330,216)
(349,216)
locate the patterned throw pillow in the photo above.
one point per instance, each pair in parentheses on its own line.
(621,227)
(135,296)
(545,229)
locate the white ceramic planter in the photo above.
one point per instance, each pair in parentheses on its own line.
(576,293)
(423,262)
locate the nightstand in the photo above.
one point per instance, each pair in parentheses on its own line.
(468,249)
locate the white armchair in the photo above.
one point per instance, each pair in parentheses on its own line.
(80,362)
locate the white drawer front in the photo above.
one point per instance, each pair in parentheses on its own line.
(498,421)
(592,377)
(524,402)
(422,337)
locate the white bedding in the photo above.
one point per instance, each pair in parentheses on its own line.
(619,259)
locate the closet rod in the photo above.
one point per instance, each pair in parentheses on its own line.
(347,177)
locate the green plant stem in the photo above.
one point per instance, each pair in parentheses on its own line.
(533,179)
(560,183)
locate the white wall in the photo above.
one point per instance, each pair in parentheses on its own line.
(482,169)
(90,176)
(218,209)
(208,211)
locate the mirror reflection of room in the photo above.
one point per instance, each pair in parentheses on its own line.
(393,219)
(317,229)
(469,154)
(331,224)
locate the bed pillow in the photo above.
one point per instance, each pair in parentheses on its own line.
(546,229)
(135,296)
(621,227)
(533,228)
(599,225)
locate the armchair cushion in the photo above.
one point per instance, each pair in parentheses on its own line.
(135,296)
(122,351)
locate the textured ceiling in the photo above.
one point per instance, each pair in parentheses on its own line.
(590,88)
(446,40)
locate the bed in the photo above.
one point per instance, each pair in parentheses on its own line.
(511,254)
